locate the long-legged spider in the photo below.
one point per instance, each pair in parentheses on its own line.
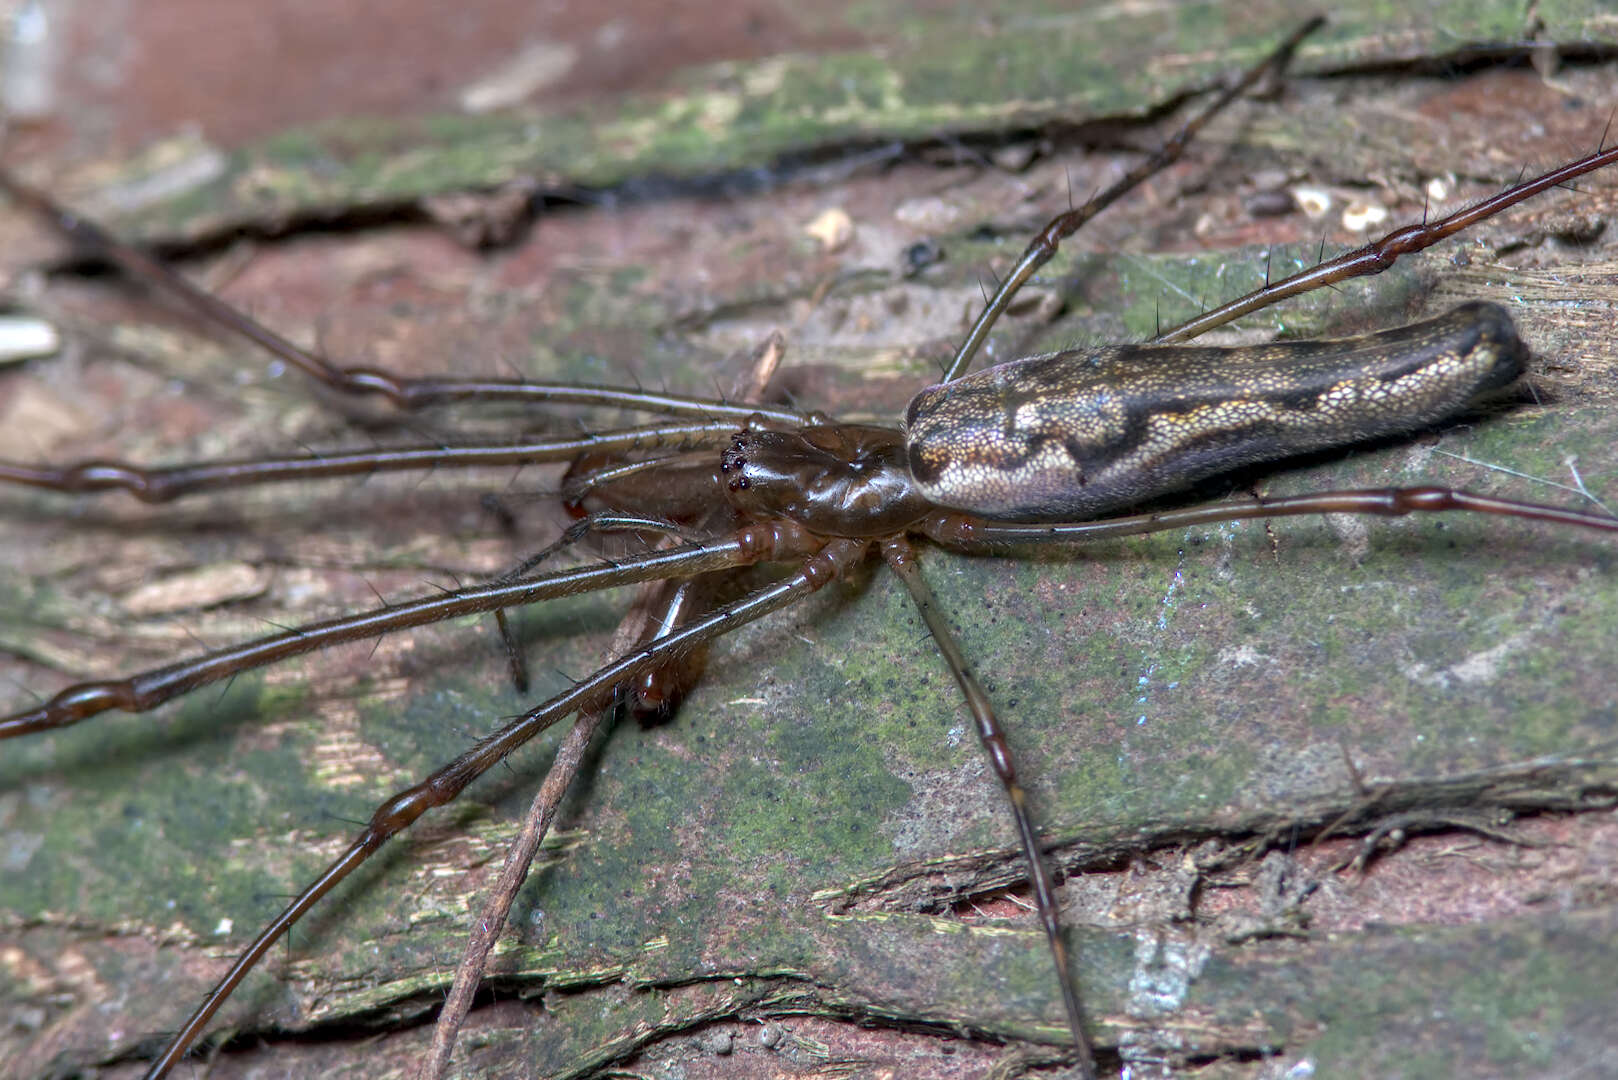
(921,766)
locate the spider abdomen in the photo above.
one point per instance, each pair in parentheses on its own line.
(1079,434)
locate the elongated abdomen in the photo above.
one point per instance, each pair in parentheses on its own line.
(1077,434)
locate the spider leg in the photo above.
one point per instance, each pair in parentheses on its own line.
(1383,502)
(1378,255)
(445,784)
(1043,246)
(148,689)
(899,555)
(156,485)
(491,921)
(657,610)
(409,394)
(569,759)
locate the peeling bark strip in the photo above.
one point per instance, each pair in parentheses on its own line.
(1253,666)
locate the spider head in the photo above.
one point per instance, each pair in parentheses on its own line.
(835,479)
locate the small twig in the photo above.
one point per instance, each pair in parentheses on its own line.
(491,921)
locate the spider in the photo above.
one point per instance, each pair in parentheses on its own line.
(898,733)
